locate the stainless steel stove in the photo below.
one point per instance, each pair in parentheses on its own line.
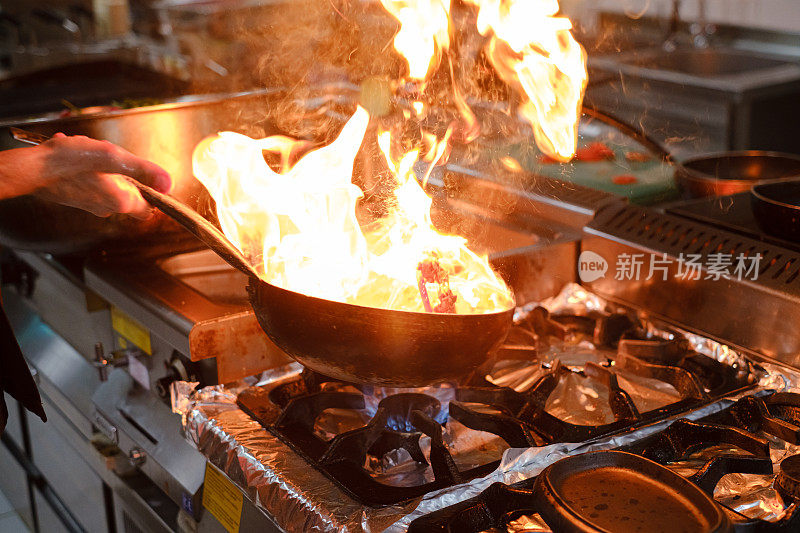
(318,454)
(109,335)
(118,341)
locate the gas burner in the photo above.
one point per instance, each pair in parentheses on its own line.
(534,332)
(523,421)
(402,419)
(778,415)
(389,422)
(531,501)
(398,423)
(683,438)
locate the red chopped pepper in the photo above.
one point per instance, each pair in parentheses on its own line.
(595,151)
(625,179)
(638,157)
(447,301)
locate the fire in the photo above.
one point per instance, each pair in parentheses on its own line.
(529,46)
(299,226)
(532,48)
(423,32)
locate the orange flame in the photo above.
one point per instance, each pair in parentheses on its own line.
(299,227)
(423,32)
(530,47)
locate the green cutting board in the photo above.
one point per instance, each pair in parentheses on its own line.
(654,180)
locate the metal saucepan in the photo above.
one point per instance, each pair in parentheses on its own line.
(592,492)
(727,173)
(776,206)
(345,341)
(165,134)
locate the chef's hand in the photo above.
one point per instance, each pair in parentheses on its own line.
(81,172)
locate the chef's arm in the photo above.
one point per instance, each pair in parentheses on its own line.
(81,172)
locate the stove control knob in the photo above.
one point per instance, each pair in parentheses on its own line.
(100,361)
(115,359)
(137,457)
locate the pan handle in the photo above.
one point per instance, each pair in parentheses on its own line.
(27,137)
(197,226)
(177,211)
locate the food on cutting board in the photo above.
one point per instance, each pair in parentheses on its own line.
(638,157)
(624,179)
(592,152)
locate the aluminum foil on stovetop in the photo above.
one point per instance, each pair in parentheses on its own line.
(737,453)
(301,498)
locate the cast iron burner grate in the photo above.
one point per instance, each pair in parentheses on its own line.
(291,409)
(775,416)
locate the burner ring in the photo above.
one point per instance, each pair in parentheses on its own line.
(400,405)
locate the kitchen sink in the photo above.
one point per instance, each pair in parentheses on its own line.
(702,100)
(708,63)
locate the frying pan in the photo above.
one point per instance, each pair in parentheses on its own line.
(345,341)
(616,491)
(776,206)
(592,492)
(727,173)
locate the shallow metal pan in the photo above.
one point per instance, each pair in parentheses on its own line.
(621,491)
(727,173)
(597,492)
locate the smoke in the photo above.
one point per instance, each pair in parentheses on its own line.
(322,54)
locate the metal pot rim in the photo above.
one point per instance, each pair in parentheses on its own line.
(756,191)
(185,101)
(315,301)
(685,171)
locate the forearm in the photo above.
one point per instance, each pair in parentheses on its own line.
(21,171)
(83,173)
